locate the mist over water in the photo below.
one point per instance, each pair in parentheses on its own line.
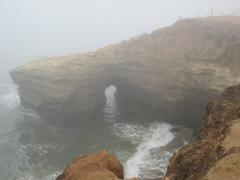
(11,99)
(31,148)
(34,149)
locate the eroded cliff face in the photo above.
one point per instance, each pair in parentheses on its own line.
(162,71)
(215,154)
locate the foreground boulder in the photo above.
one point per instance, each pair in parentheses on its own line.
(215,154)
(99,166)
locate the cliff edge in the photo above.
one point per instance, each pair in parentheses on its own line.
(215,154)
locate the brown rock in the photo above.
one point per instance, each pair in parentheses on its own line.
(134,178)
(227,168)
(214,154)
(99,166)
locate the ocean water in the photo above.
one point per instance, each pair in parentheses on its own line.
(33,149)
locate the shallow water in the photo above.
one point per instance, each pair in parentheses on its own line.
(31,148)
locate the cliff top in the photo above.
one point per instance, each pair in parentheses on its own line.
(222,19)
(192,38)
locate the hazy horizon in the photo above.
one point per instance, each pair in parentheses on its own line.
(154,105)
(35,29)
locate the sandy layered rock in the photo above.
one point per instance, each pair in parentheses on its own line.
(215,154)
(99,166)
(162,71)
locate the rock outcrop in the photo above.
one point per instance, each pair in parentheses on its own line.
(162,72)
(100,166)
(215,154)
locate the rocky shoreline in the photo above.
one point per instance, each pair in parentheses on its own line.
(214,154)
(173,71)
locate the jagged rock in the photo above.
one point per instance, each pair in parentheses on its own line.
(100,166)
(215,154)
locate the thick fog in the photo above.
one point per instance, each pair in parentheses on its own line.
(36,28)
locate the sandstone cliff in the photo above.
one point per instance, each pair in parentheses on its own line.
(215,154)
(162,71)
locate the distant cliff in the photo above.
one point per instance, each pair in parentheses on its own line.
(215,154)
(162,71)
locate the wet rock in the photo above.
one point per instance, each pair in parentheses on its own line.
(99,166)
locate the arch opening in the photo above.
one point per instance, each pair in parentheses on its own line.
(111,111)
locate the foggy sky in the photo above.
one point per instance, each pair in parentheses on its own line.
(36,28)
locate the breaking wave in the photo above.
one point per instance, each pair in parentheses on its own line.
(148,160)
(10,100)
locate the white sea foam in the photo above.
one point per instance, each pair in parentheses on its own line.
(132,132)
(52,176)
(158,135)
(110,109)
(11,99)
(147,139)
(41,151)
